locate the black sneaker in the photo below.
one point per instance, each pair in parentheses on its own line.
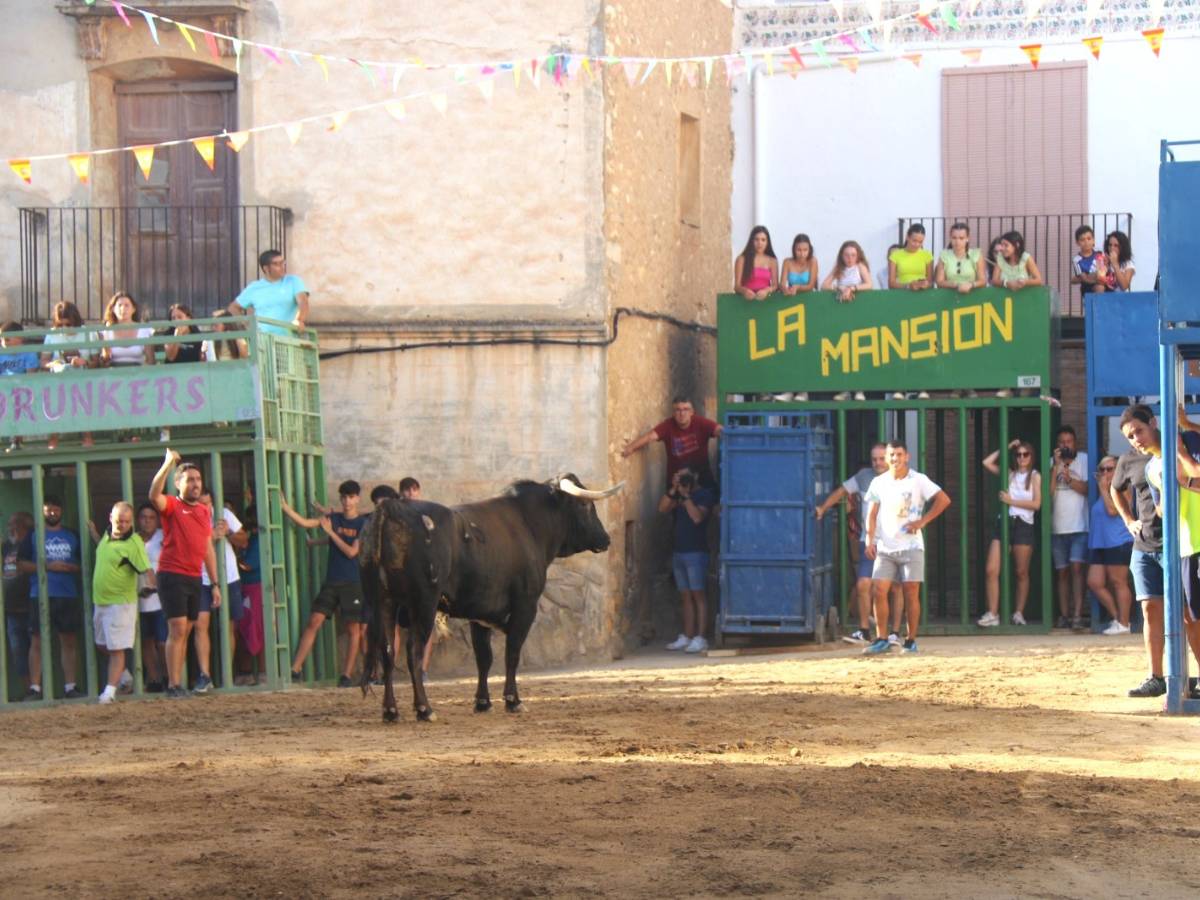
(74,694)
(1063,622)
(32,695)
(203,684)
(345,682)
(297,677)
(1151,687)
(155,687)
(176,692)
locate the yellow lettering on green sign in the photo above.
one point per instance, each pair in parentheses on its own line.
(888,342)
(791,321)
(992,318)
(755,352)
(866,343)
(831,351)
(918,336)
(961,342)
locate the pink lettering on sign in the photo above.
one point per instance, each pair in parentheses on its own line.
(81,399)
(166,394)
(22,400)
(108,398)
(47,406)
(137,405)
(193,388)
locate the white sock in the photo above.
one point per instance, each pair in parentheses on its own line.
(69,686)
(109,691)
(36,688)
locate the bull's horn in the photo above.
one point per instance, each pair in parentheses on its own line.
(569,487)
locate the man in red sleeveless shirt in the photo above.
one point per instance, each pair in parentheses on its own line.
(187,526)
(686,436)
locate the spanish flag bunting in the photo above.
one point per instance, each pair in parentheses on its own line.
(395,109)
(1033,52)
(337,120)
(293,130)
(121,12)
(206,147)
(1094,44)
(925,21)
(211,42)
(23,168)
(187,35)
(797,57)
(972,55)
(914,58)
(321,62)
(438,102)
(237,140)
(850,62)
(149,17)
(145,160)
(81,165)
(1154,37)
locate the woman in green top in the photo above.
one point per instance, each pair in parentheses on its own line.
(911,267)
(1015,268)
(960,266)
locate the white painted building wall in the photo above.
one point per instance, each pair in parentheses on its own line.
(841,156)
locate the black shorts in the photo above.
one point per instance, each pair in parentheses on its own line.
(340,595)
(1191,588)
(180,595)
(1111,556)
(1020,532)
(66,615)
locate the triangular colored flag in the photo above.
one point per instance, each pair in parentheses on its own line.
(295,57)
(149,17)
(337,120)
(1154,37)
(848,40)
(972,55)
(1032,8)
(631,71)
(1156,9)
(211,42)
(237,140)
(237,54)
(914,58)
(187,35)
(321,62)
(81,164)
(487,87)
(864,35)
(366,67)
(667,66)
(206,147)
(293,130)
(1094,44)
(795,51)
(397,74)
(438,102)
(649,68)
(586,64)
(708,67)
(839,7)
(395,109)
(822,53)
(770,60)
(1033,52)
(516,70)
(23,168)
(875,8)
(850,62)
(269,53)
(949,16)
(121,12)
(145,160)
(926,22)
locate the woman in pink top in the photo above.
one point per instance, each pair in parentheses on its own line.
(756,271)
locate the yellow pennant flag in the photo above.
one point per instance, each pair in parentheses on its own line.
(972,55)
(145,160)
(914,58)
(81,165)
(516,70)
(770,58)
(438,102)
(237,140)
(587,66)
(337,120)
(324,67)
(1094,44)
(207,149)
(1154,37)
(187,35)
(395,109)
(293,130)
(23,168)
(667,66)
(1033,52)
(487,87)
(850,62)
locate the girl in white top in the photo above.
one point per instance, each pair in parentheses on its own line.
(1023,499)
(121,315)
(850,274)
(1119,253)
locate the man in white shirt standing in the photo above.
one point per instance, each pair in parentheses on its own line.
(1069,529)
(895,518)
(229,527)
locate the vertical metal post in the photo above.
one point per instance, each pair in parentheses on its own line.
(45,636)
(126,465)
(843,529)
(1005,562)
(223,644)
(295,602)
(266,515)
(939,465)
(1175,658)
(3,648)
(1046,519)
(920,413)
(964,546)
(881,425)
(83,499)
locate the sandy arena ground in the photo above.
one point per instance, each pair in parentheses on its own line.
(988,767)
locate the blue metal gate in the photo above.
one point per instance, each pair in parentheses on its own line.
(776,564)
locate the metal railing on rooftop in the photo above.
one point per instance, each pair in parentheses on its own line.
(1049,238)
(200,256)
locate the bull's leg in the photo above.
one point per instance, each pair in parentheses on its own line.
(517,631)
(418,634)
(481,640)
(391,712)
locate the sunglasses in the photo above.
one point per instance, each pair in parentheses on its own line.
(1103,469)
(1024,454)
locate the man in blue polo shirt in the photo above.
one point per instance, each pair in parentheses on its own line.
(277,295)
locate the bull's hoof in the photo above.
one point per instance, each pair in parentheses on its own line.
(482,706)
(391,715)
(513,706)
(426,714)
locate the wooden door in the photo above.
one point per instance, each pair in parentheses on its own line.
(180,224)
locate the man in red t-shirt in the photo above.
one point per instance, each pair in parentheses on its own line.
(187,526)
(686,437)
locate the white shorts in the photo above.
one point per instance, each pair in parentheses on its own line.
(113,626)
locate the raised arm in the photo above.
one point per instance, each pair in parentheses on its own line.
(633,446)
(1035,483)
(296,517)
(157,497)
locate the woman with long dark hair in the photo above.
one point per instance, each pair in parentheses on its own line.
(1015,268)
(1119,255)
(756,270)
(1023,499)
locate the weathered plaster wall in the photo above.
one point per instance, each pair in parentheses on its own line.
(656,262)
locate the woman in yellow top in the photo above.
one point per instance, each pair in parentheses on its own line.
(911,267)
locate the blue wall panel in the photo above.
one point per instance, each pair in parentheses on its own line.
(1179,263)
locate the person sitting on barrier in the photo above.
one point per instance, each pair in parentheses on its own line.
(857,486)
(60,550)
(960,266)
(67,327)
(121,315)
(800,269)
(277,295)
(1110,546)
(151,619)
(1119,265)
(16,363)
(1023,499)
(895,519)
(16,597)
(1089,267)
(851,273)
(686,436)
(1015,268)
(120,558)
(756,271)
(226,526)
(689,504)
(911,267)
(218,350)
(1069,531)
(1139,427)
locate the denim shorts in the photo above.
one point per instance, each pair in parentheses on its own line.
(691,570)
(865,566)
(1147,572)
(1069,548)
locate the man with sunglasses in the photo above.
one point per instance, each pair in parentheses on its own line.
(187,525)
(1069,527)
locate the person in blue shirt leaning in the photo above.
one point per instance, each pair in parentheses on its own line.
(277,295)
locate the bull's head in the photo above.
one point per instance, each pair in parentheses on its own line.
(584,529)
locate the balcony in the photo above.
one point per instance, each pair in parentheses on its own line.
(201,256)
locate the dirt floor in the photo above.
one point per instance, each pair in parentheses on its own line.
(988,767)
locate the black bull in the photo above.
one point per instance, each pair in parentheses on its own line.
(484,561)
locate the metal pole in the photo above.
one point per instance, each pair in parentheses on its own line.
(920,413)
(43,601)
(1005,563)
(843,529)
(1175,658)
(83,498)
(295,602)
(964,547)
(218,495)
(1047,518)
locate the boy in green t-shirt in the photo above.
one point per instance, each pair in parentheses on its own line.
(120,558)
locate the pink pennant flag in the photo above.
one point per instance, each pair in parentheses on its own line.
(848,40)
(211,42)
(121,12)
(271,55)
(631,71)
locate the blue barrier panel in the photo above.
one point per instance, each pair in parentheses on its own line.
(1122,346)
(1179,264)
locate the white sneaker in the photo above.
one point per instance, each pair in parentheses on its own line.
(859,395)
(679,643)
(1018,619)
(785,397)
(106,699)
(696,645)
(844,395)
(988,620)
(898,395)
(923,395)
(1115,627)
(801,396)
(1004,393)
(893,640)
(164,435)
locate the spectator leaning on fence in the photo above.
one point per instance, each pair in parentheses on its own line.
(1110,546)
(756,270)
(910,267)
(16,363)
(121,320)
(960,266)
(1023,499)
(686,436)
(120,558)
(277,295)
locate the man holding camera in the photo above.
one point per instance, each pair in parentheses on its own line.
(689,504)
(1069,531)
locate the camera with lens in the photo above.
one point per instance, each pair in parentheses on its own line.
(1066,454)
(687,480)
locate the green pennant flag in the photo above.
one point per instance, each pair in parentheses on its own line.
(949,16)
